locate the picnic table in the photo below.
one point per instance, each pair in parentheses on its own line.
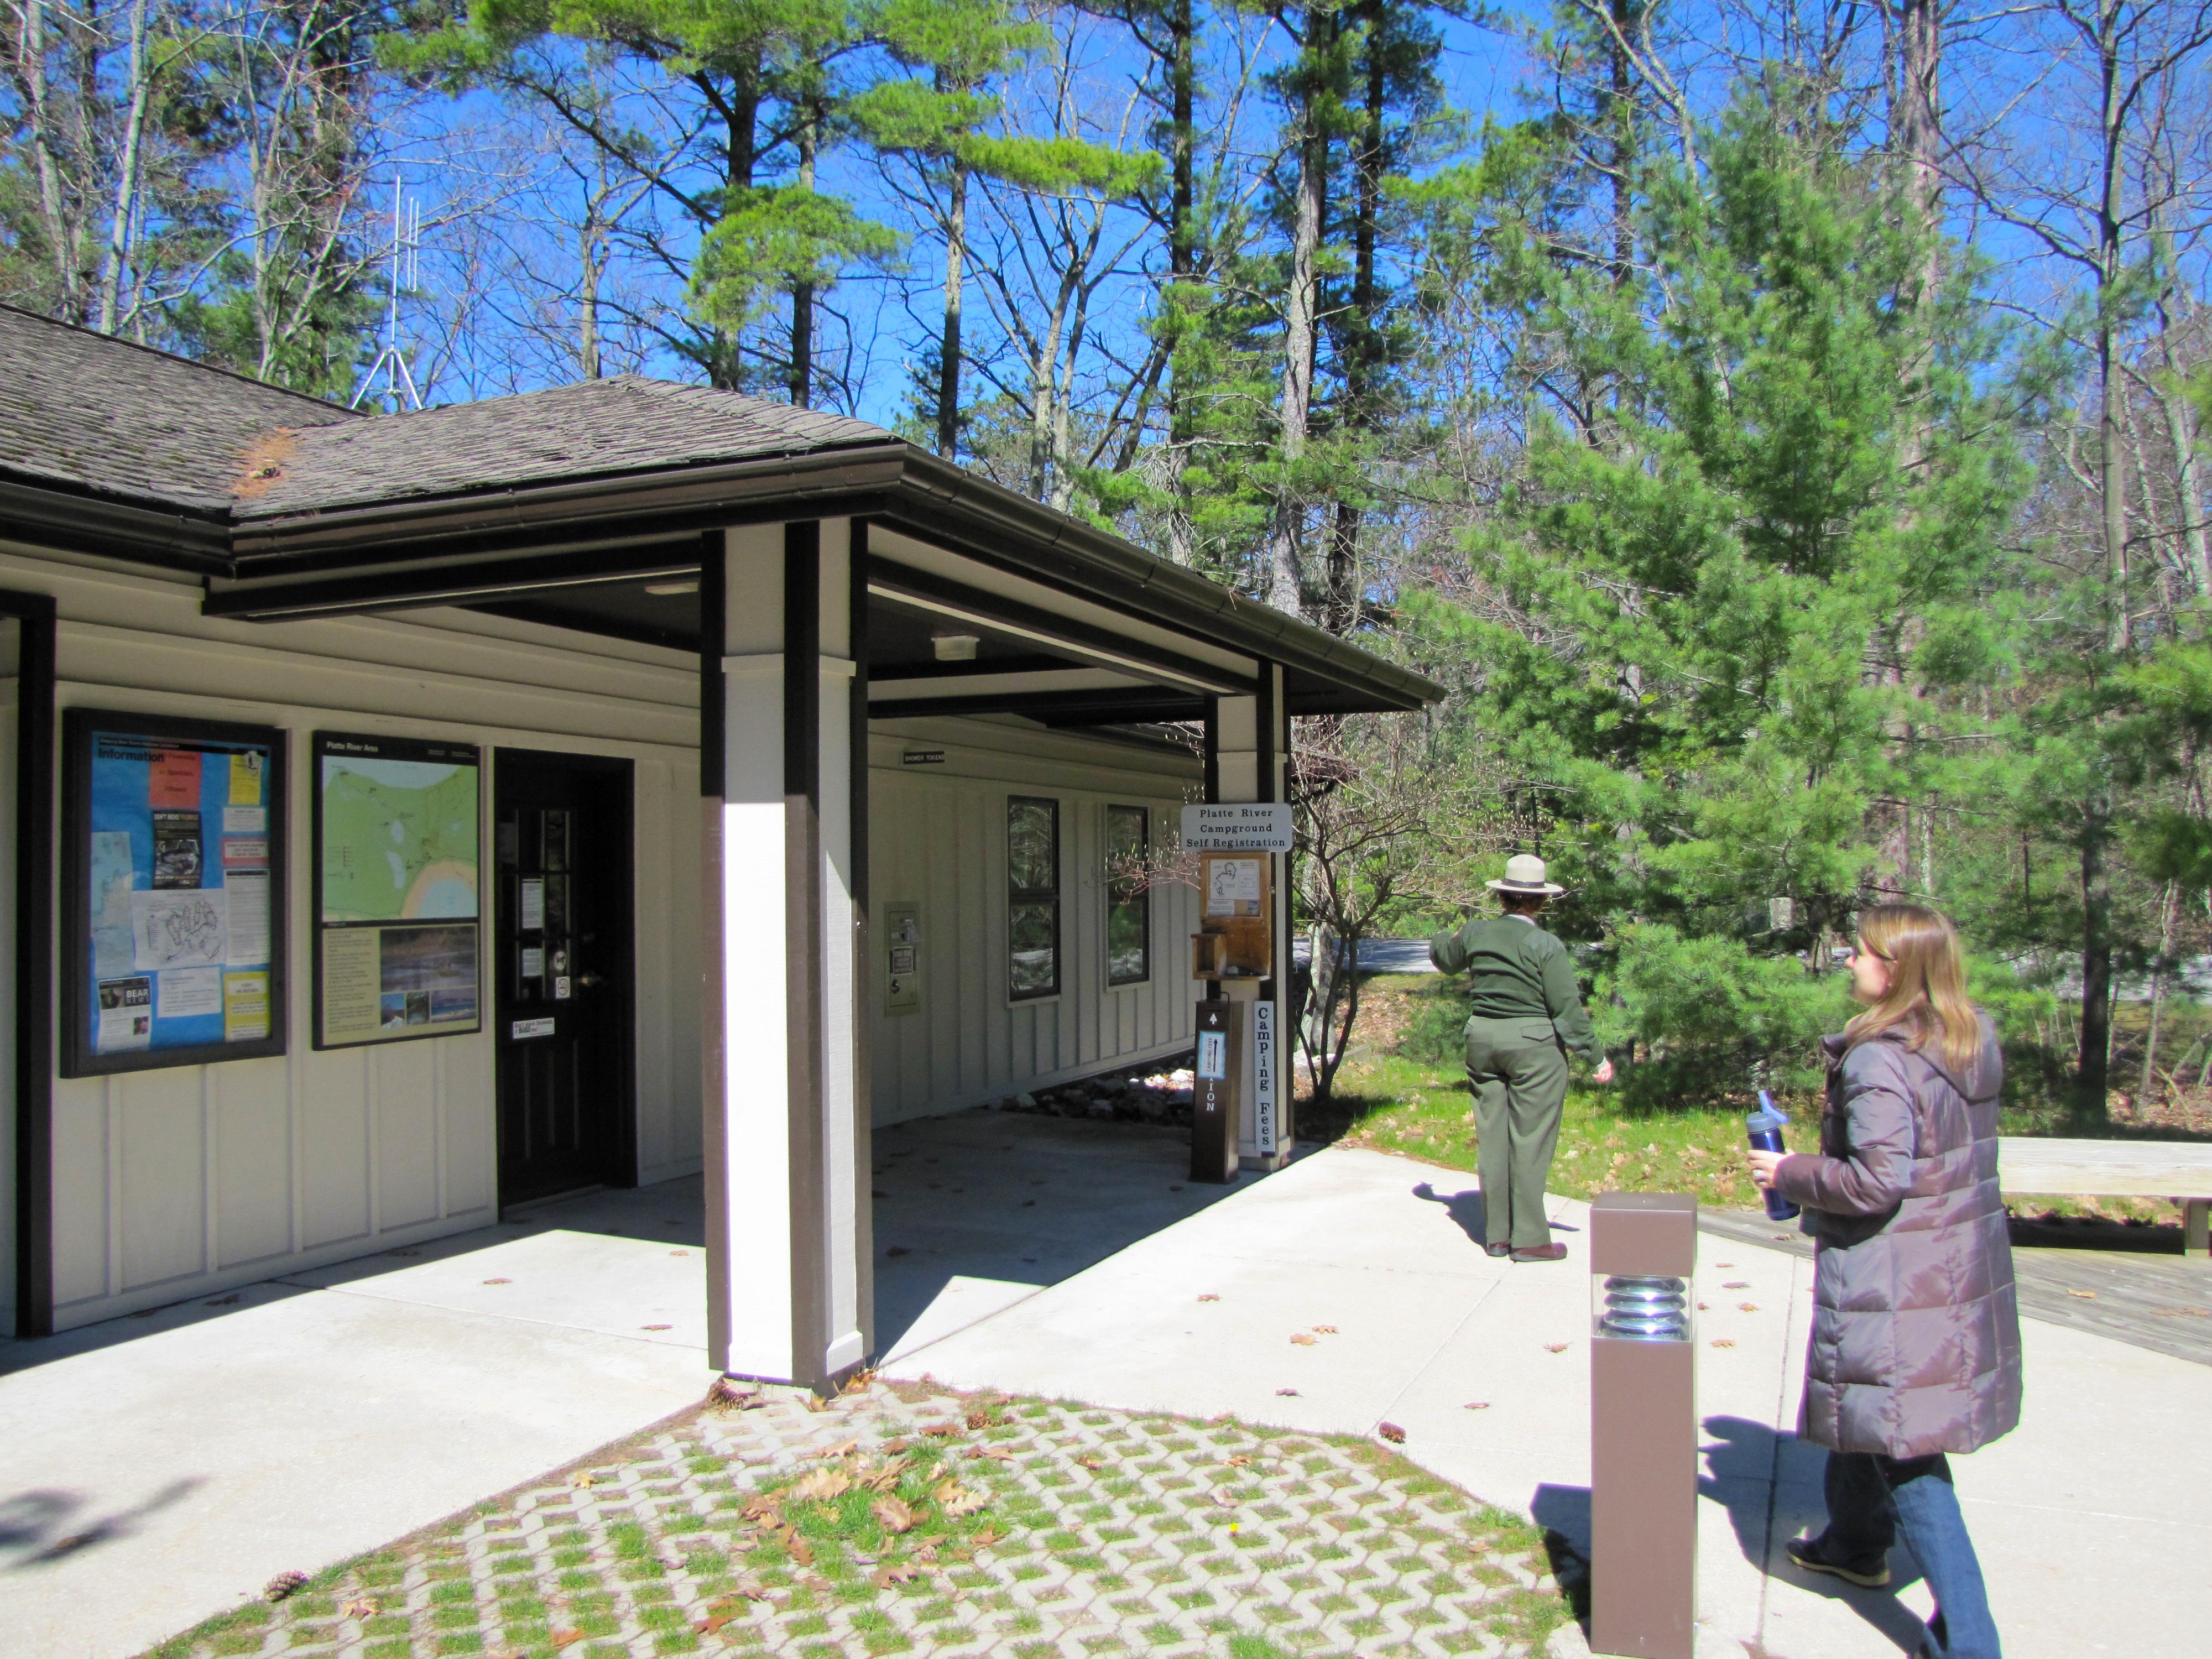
(2178,1169)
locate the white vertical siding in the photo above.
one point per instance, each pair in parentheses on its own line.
(938,840)
(169,1183)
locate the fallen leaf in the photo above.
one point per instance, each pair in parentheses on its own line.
(1724,1264)
(843,1449)
(1292,1392)
(893,1513)
(499,1281)
(2087,1295)
(363,1608)
(956,1500)
(1209,1296)
(2183,1313)
(1723,1342)
(940,1430)
(1476,1405)
(986,1537)
(1391,1433)
(764,1510)
(797,1548)
(1747,1307)
(979,1420)
(899,1572)
(1223,1497)
(859,1381)
(562,1638)
(1737,1285)
(1326,1330)
(283,1584)
(1555,1347)
(656,1328)
(999,1453)
(731,1395)
(813,1403)
(1301,1339)
(886,1475)
(584,1478)
(1704,1306)
(1239,1460)
(1090,1461)
(820,1486)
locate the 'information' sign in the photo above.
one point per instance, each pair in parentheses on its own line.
(1249,826)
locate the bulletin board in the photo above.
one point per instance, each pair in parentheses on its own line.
(399,920)
(172,877)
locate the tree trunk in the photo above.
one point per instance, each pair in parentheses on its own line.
(1183,269)
(2111,460)
(2167,916)
(1620,117)
(1285,575)
(948,367)
(141,75)
(2093,1069)
(802,294)
(1340,596)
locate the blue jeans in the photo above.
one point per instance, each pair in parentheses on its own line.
(1874,1500)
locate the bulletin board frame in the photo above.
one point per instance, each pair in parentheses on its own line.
(429,930)
(80,1054)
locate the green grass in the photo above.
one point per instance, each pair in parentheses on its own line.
(1393,1096)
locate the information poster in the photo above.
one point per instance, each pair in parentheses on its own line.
(399,921)
(175,877)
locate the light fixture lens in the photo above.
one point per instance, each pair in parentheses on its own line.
(955,648)
(662,590)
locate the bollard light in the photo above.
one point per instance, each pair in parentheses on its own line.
(1643,1425)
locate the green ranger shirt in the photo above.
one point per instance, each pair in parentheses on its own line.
(1515,970)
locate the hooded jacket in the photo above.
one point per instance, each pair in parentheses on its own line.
(1915,1332)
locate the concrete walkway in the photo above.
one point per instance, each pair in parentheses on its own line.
(156,1470)
(1486,1367)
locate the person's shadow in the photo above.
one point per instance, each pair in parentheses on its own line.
(1770,1483)
(1464,1208)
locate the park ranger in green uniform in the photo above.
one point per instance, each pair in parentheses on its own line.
(1526,1014)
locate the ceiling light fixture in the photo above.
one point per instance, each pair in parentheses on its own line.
(955,647)
(663,590)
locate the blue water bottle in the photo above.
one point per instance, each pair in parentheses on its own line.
(1765,1126)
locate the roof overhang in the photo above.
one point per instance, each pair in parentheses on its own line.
(942,539)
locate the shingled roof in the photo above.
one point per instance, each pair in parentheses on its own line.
(89,411)
(595,429)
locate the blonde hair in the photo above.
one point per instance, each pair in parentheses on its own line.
(1927,993)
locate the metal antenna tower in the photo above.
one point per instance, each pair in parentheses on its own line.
(406,272)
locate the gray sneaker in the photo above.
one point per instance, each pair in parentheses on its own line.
(1811,1553)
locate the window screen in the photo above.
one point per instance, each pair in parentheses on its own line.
(1032,897)
(1128,906)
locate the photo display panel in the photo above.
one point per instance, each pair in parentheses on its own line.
(398,921)
(174,883)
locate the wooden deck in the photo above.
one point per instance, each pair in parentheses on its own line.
(2153,1301)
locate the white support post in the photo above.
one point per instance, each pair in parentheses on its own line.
(1250,744)
(783,1099)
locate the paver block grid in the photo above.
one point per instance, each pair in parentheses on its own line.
(765,1530)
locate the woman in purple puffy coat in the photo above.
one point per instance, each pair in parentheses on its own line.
(1916,1336)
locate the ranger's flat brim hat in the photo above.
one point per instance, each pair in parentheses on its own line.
(1525,873)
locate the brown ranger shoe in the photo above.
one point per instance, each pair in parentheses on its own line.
(1542,1252)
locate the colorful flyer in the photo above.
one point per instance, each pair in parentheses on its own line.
(126,1015)
(244,1006)
(246,770)
(178,861)
(174,779)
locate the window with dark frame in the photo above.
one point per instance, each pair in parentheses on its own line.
(1032,897)
(1129,905)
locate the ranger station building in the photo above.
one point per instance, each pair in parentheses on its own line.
(417,815)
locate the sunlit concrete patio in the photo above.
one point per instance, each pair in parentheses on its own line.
(160,1468)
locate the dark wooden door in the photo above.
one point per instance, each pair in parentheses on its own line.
(563,967)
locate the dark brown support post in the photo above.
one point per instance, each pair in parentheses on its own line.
(34,960)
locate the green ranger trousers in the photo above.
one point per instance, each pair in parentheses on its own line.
(1517,1074)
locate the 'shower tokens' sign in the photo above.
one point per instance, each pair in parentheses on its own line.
(1247,826)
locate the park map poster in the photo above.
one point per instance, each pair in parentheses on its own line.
(398,915)
(175,885)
